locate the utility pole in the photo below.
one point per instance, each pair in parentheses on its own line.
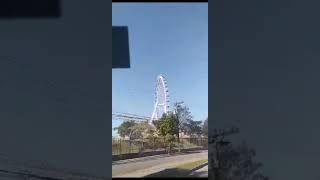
(178,105)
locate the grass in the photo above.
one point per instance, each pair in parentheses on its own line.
(192,165)
(180,171)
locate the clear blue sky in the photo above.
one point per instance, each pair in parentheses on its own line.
(168,39)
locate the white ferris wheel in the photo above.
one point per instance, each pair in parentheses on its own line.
(161,100)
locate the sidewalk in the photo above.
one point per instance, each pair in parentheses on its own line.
(141,167)
(155,169)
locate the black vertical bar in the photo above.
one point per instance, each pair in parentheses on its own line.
(120,47)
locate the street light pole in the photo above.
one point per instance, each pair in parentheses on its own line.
(178,105)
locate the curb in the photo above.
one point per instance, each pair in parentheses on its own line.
(199,167)
(156,170)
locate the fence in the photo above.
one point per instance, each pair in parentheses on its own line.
(122,146)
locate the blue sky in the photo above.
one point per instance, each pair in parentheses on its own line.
(168,39)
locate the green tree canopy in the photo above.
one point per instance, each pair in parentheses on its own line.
(125,129)
(182,114)
(205,127)
(167,125)
(234,162)
(185,120)
(238,163)
(134,130)
(193,128)
(143,130)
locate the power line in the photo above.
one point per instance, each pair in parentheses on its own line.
(129,117)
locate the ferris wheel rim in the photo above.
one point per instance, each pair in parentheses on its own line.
(161,91)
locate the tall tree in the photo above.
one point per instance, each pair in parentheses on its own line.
(183,115)
(205,128)
(167,127)
(134,130)
(193,128)
(125,129)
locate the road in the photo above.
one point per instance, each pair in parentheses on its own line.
(140,167)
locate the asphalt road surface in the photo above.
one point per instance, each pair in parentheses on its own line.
(139,167)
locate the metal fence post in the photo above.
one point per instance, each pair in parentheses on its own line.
(182,143)
(142,145)
(120,146)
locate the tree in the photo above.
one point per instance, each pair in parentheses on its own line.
(142,130)
(167,127)
(134,130)
(235,162)
(183,115)
(205,128)
(125,129)
(193,128)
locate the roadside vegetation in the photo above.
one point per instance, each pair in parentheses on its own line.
(232,161)
(165,134)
